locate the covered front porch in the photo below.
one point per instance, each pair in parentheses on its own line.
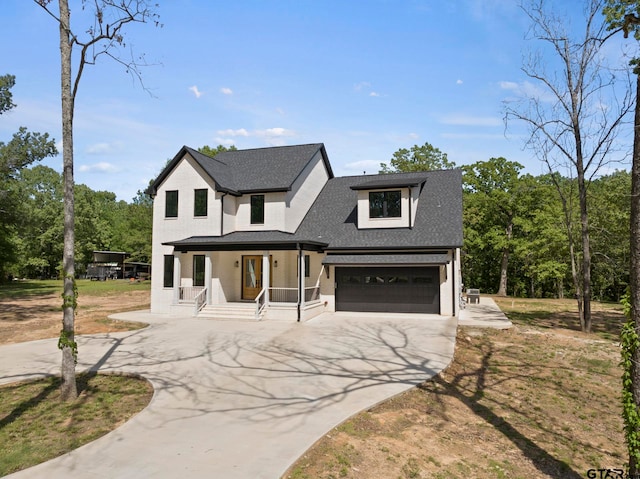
(250,280)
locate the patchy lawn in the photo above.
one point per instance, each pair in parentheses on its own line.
(32,310)
(35,425)
(539,400)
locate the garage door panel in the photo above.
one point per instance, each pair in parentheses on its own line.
(390,289)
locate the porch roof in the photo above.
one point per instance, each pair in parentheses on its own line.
(247,240)
(387,259)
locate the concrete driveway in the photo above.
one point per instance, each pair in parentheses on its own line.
(238,399)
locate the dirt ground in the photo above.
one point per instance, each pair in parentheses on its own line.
(40,317)
(529,402)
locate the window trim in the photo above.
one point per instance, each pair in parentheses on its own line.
(195,203)
(253,213)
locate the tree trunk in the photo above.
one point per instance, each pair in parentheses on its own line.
(585,317)
(504,264)
(67,344)
(634,273)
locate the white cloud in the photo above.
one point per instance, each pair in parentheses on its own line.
(275,136)
(373,93)
(101,167)
(469,120)
(459,82)
(361,85)
(508,85)
(99,149)
(195,91)
(226,91)
(230,132)
(275,132)
(527,89)
(413,136)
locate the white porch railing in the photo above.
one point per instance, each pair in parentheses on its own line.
(290,295)
(187,294)
(199,301)
(260,302)
(312,294)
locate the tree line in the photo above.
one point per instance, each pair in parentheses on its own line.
(519,232)
(33,242)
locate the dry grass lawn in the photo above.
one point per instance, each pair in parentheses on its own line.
(29,314)
(540,400)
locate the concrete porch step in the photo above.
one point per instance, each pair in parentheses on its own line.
(229,311)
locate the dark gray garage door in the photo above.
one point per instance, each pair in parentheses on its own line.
(388,289)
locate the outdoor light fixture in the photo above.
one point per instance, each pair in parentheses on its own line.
(237,264)
(275,264)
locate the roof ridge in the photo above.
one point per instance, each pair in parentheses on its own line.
(272,147)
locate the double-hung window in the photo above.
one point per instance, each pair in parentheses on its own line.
(385,204)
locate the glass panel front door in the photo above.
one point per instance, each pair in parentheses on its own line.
(252,276)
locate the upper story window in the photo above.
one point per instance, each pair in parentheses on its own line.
(257,209)
(200,203)
(171,204)
(385,204)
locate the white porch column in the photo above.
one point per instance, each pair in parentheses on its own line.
(266,275)
(301,278)
(176,278)
(207,275)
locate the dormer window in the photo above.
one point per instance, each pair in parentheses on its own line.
(388,201)
(385,204)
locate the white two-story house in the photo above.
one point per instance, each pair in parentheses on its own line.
(270,233)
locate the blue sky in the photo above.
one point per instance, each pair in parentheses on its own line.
(364,77)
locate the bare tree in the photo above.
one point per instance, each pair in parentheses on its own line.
(103,38)
(572,112)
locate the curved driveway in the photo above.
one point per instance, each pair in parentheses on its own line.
(238,399)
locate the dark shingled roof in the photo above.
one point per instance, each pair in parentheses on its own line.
(254,170)
(387,259)
(330,224)
(245,240)
(389,181)
(333,217)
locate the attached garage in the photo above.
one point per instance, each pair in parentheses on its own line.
(383,282)
(388,289)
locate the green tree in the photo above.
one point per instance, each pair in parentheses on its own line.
(209,151)
(492,190)
(540,242)
(103,38)
(23,149)
(418,158)
(41,228)
(610,216)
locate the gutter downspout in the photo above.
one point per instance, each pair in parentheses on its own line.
(222,213)
(456,300)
